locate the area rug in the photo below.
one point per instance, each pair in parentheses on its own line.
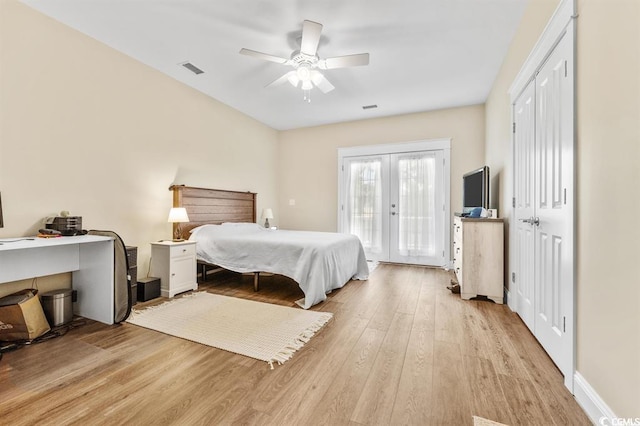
(481,421)
(258,330)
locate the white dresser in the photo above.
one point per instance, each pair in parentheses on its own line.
(175,264)
(478,257)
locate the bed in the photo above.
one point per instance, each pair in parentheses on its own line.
(223,225)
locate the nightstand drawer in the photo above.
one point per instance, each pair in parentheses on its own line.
(183,250)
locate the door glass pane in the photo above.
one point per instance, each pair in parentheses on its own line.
(416,205)
(365,203)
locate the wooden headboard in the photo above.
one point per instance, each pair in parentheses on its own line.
(212,206)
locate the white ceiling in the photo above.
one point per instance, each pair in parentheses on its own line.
(424,54)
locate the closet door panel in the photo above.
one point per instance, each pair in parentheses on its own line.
(524,158)
(553,208)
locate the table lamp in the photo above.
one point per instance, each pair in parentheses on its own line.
(266,215)
(177,215)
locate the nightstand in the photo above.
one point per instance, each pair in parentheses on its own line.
(175,264)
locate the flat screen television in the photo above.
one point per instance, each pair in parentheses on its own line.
(475,189)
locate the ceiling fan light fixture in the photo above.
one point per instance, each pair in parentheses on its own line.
(307,85)
(303,73)
(293,79)
(316,77)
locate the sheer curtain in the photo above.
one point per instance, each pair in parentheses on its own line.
(416,205)
(395,198)
(365,202)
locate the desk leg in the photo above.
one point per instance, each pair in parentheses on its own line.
(94,281)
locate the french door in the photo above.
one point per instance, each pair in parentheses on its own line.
(395,203)
(543,195)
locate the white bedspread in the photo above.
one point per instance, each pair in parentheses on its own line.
(318,261)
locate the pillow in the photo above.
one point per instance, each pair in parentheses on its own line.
(197,229)
(224,230)
(241,226)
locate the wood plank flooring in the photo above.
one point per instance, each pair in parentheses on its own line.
(400,350)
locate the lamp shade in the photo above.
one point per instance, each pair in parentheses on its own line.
(267,214)
(178,214)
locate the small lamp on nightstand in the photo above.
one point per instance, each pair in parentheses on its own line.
(266,215)
(177,215)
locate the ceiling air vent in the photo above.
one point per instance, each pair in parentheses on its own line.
(373,106)
(192,68)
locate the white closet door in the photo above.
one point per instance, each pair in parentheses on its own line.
(543,190)
(543,220)
(524,160)
(553,204)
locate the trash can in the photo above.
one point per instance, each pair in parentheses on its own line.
(58,306)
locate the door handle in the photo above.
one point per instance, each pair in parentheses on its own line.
(532,221)
(393,213)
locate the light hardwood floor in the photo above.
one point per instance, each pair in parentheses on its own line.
(400,350)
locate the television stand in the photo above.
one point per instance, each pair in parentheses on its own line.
(478,257)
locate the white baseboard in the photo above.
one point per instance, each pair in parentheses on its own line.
(511,303)
(585,395)
(590,401)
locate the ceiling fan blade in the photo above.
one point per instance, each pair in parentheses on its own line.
(321,82)
(344,61)
(281,80)
(264,56)
(310,37)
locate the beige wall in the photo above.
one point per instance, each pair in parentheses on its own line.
(498,106)
(309,158)
(608,117)
(87,129)
(608,164)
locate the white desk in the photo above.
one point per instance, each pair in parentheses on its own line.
(88,257)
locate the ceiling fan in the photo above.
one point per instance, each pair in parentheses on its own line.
(306,62)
